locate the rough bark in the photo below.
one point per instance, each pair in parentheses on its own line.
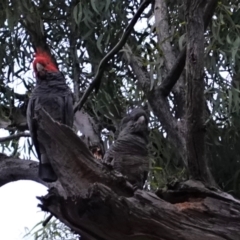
(195,132)
(100,204)
(13,169)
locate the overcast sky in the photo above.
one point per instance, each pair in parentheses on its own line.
(18,208)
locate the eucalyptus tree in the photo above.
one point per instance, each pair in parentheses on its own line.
(180,63)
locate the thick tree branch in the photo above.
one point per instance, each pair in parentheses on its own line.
(14,169)
(167,84)
(195,132)
(199,215)
(163,33)
(97,79)
(14,137)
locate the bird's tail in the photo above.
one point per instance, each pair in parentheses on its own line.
(45,171)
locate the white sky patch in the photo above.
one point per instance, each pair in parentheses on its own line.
(18,208)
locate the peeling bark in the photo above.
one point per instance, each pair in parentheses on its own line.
(102,214)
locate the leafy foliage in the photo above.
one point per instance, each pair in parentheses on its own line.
(54,230)
(80,33)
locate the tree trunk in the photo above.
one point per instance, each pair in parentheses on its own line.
(195,132)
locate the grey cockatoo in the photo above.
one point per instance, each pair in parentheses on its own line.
(129,154)
(52,94)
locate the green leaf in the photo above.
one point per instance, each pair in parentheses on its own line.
(78,13)
(107,4)
(181,41)
(99,45)
(93,3)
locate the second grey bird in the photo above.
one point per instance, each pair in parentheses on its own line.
(129,153)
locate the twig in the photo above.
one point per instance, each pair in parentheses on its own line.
(97,79)
(45,222)
(14,136)
(171,79)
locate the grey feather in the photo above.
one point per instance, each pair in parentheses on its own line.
(129,154)
(53,94)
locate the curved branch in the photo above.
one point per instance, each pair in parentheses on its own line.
(14,169)
(14,136)
(97,79)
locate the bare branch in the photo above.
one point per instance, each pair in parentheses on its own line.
(14,169)
(163,32)
(164,41)
(97,79)
(172,77)
(14,136)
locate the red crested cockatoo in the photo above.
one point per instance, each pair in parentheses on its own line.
(54,96)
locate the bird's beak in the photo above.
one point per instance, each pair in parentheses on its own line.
(141,119)
(39,67)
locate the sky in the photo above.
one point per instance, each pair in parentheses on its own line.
(18,208)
